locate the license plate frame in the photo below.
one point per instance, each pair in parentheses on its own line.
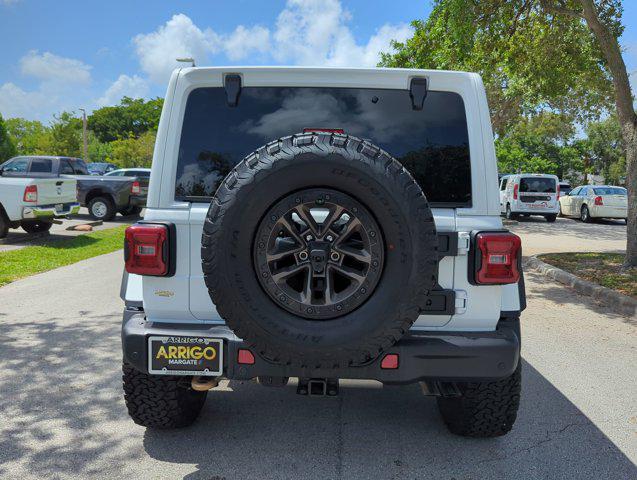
(161,366)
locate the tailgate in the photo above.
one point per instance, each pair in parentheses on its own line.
(56,190)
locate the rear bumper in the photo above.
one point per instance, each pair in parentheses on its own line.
(604,211)
(443,356)
(137,201)
(49,211)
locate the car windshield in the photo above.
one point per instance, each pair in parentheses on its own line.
(609,191)
(537,185)
(432,143)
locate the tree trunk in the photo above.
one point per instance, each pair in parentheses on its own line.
(625,112)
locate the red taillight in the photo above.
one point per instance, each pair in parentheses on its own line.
(245,357)
(497,257)
(146,249)
(389,362)
(134,189)
(558,191)
(515,192)
(599,201)
(328,130)
(31,194)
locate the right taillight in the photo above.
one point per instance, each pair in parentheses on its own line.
(31,194)
(497,258)
(146,249)
(599,201)
(134,189)
(515,192)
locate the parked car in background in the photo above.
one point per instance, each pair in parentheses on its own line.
(595,201)
(142,174)
(103,196)
(100,168)
(565,188)
(33,203)
(529,194)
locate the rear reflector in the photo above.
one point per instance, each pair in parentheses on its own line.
(245,357)
(31,194)
(146,249)
(389,362)
(497,258)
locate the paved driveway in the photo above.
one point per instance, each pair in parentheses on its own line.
(568,235)
(62,414)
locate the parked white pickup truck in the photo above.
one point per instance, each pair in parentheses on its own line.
(33,203)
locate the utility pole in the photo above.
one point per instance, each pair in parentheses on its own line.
(84,139)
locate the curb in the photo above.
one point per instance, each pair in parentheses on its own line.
(619,303)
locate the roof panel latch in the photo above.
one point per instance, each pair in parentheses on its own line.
(417,92)
(232,84)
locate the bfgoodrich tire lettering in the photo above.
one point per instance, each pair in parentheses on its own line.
(342,163)
(158,401)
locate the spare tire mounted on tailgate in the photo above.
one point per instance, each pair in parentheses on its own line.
(319,250)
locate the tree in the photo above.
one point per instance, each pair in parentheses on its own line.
(133,152)
(66,134)
(7,148)
(557,55)
(29,136)
(131,118)
(604,150)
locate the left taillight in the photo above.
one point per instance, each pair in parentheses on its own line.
(599,201)
(31,194)
(134,189)
(497,258)
(147,249)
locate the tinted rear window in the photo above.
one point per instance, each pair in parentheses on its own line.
(610,191)
(537,184)
(41,165)
(432,143)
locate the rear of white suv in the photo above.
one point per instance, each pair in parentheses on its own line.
(531,194)
(436,124)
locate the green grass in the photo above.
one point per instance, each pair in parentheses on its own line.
(16,264)
(601,268)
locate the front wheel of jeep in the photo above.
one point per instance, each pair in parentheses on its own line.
(160,402)
(484,410)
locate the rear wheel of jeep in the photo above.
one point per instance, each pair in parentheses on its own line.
(161,402)
(486,409)
(319,250)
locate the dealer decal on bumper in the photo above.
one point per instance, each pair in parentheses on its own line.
(185,356)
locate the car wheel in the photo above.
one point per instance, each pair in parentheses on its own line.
(36,226)
(585,215)
(4,225)
(509,214)
(550,218)
(101,208)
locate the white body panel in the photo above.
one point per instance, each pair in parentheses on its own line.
(613,206)
(184,297)
(50,191)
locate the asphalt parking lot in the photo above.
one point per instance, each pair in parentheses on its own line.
(62,414)
(568,235)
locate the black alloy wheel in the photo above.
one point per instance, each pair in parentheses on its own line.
(318,253)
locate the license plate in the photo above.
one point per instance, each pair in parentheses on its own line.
(185,356)
(59,207)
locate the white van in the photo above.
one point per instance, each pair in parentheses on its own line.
(530,194)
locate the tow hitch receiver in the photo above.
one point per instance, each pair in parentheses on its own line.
(318,386)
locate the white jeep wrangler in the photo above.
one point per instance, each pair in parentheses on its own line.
(323,224)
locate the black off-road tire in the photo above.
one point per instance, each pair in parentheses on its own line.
(108,208)
(484,410)
(343,164)
(36,226)
(158,401)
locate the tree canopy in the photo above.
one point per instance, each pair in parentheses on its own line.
(131,118)
(7,148)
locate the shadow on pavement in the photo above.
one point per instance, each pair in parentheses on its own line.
(256,432)
(601,229)
(561,294)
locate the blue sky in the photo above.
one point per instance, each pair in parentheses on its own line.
(67,54)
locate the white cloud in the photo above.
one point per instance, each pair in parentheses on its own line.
(243,41)
(124,86)
(16,102)
(53,68)
(179,37)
